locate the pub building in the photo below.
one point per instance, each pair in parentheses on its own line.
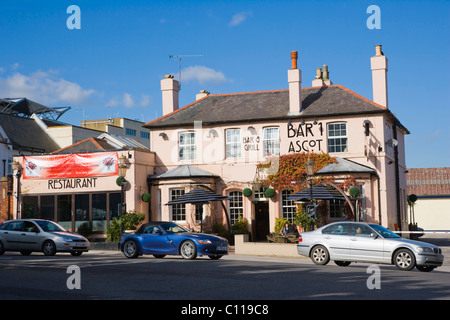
(217,143)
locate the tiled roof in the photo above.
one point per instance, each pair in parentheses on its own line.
(428,181)
(269,105)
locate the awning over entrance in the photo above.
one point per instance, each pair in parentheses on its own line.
(198,196)
(320,192)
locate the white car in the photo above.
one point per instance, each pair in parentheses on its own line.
(346,242)
(30,235)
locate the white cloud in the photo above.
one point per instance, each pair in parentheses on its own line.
(43,87)
(202,75)
(145,101)
(239,17)
(128,101)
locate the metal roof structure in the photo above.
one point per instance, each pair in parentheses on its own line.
(184,171)
(345,166)
(25,108)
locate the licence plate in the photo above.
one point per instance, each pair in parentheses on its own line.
(221,248)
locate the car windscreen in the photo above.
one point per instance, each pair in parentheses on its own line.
(50,226)
(384,232)
(170,227)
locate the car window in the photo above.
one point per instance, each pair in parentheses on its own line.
(49,226)
(170,227)
(30,227)
(360,230)
(340,229)
(152,230)
(13,226)
(384,232)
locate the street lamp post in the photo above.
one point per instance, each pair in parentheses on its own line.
(122,173)
(309,166)
(17,170)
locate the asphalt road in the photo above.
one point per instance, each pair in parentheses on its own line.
(108,275)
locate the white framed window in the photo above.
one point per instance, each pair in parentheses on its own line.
(178,211)
(288,207)
(271,141)
(337,137)
(233,143)
(187,149)
(235,206)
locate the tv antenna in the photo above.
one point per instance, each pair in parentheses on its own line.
(182,56)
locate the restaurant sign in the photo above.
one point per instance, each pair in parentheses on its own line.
(81,165)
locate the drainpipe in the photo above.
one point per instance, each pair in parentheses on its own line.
(397,179)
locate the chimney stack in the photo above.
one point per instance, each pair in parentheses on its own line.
(322,77)
(295,86)
(202,94)
(170,88)
(379,65)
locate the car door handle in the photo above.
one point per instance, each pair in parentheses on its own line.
(327,237)
(354,239)
(23,234)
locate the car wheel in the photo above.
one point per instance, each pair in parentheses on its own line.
(2,248)
(76,253)
(130,249)
(319,255)
(49,248)
(159,256)
(188,250)
(215,256)
(404,259)
(342,263)
(425,268)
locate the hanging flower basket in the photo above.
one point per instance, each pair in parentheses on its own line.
(269,193)
(146,197)
(247,192)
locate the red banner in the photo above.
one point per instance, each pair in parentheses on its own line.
(71,165)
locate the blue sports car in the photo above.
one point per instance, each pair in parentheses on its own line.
(167,238)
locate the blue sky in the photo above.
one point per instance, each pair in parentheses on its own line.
(113,65)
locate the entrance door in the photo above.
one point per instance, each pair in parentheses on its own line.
(261,220)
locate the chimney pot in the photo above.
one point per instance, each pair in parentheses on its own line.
(294,56)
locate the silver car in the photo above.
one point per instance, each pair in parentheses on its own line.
(346,242)
(29,235)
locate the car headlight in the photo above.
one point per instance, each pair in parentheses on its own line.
(202,241)
(425,249)
(67,239)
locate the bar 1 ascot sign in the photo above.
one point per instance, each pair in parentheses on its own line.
(305,139)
